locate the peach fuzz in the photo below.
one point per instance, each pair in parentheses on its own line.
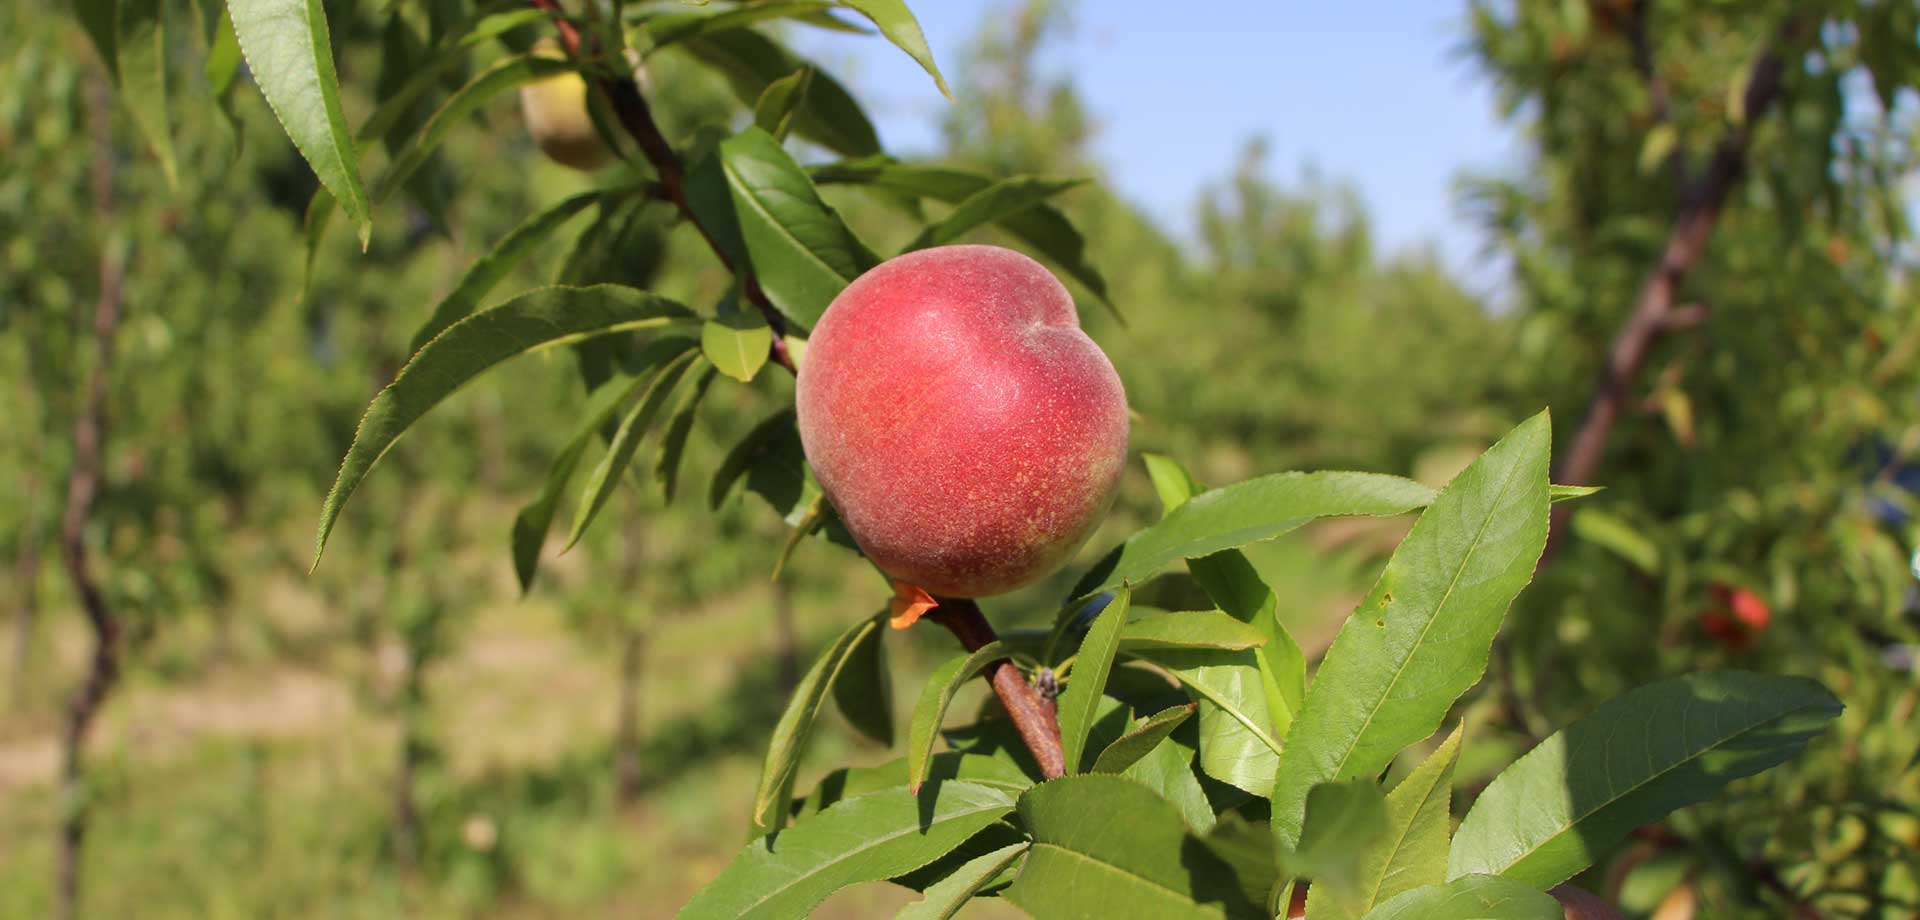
(969,433)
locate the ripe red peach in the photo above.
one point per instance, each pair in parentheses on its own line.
(969,433)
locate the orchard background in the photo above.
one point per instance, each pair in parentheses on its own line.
(1699,255)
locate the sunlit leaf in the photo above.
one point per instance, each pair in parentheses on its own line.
(802,253)
(944,899)
(1139,742)
(931,710)
(774,795)
(1472,897)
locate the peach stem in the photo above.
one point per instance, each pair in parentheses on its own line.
(1032,716)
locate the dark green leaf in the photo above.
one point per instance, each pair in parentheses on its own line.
(945,898)
(673,445)
(540,318)
(802,253)
(998,770)
(751,62)
(864,839)
(290,56)
(896,22)
(1108,848)
(992,204)
(505,75)
(1129,748)
(97,20)
(773,112)
(1635,759)
(1421,636)
(142,48)
(1342,821)
(671,28)
(489,269)
(864,692)
(931,710)
(606,475)
(741,456)
(775,793)
(1189,629)
(1413,851)
(1473,897)
(1091,665)
(1248,512)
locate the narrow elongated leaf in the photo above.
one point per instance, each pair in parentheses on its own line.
(1168,771)
(1041,227)
(97,20)
(510,73)
(1090,669)
(1248,512)
(1635,759)
(740,457)
(531,524)
(223,66)
(863,839)
(1189,629)
(829,116)
(995,770)
(1171,481)
(673,445)
(1129,748)
(142,49)
(773,112)
(738,344)
(290,56)
(489,269)
(1236,745)
(1342,820)
(537,319)
(944,898)
(802,252)
(671,28)
(992,204)
(864,692)
(931,710)
(1412,853)
(896,22)
(1421,636)
(606,474)
(775,793)
(1105,846)
(1472,897)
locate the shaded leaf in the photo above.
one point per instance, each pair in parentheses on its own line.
(673,445)
(142,49)
(1412,853)
(802,253)
(931,710)
(1473,897)
(864,692)
(1091,665)
(992,204)
(1189,629)
(773,112)
(829,116)
(620,450)
(1421,636)
(740,457)
(488,270)
(290,56)
(1342,821)
(1637,758)
(944,898)
(774,795)
(1129,748)
(540,318)
(995,770)
(508,74)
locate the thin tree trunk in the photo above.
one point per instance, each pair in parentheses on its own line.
(627,732)
(83,486)
(786,646)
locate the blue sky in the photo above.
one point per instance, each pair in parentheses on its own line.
(1376,93)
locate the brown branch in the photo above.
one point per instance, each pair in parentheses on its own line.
(636,116)
(1032,715)
(1654,309)
(83,486)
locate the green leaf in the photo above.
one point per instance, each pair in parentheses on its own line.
(489,269)
(1236,745)
(1171,481)
(864,839)
(508,74)
(896,22)
(1616,535)
(142,71)
(96,18)
(223,68)
(774,795)
(1091,665)
(673,445)
(291,59)
(997,770)
(1189,629)
(864,692)
(802,253)
(1637,758)
(751,62)
(1041,227)
(1473,897)
(1248,512)
(737,343)
(1413,851)
(1561,493)
(1168,771)
(740,458)
(1248,848)
(1108,848)
(944,899)
(1342,821)
(672,28)
(1129,748)
(992,204)
(531,524)
(540,318)
(931,710)
(773,112)
(626,440)
(1421,636)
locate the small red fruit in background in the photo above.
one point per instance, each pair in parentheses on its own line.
(969,433)
(1738,616)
